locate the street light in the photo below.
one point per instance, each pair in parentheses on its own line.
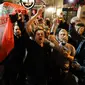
(70,1)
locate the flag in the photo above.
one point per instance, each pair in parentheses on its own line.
(7,40)
(6,27)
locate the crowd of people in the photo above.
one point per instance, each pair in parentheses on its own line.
(45,52)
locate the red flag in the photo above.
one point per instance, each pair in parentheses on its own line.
(7,40)
(6,27)
(13,8)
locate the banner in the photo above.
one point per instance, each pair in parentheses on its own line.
(6,27)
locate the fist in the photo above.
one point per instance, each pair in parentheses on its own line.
(41,10)
(52,37)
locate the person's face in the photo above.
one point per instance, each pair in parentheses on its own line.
(81,30)
(17,31)
(63,36)
(47,33)
(39,36)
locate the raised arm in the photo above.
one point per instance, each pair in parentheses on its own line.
(54,26)
(60,49)
(29,23)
